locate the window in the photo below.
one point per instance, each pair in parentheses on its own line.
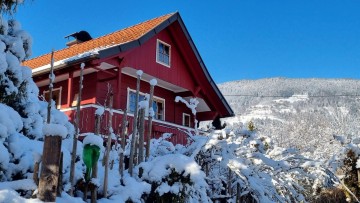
(158,104)
(163,53)
(186,120)
(56,96)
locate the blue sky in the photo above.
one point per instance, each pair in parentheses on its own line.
(237,39)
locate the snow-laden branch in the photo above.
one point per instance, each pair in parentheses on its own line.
(192,104)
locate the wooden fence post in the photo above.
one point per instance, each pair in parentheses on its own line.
(123,142)
(108,146)
(134,134)
(153,82)
(49,175)
(77,125)
(141,134)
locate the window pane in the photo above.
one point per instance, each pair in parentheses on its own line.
(132,97)
(163,54)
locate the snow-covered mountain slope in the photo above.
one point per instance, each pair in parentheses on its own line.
(301,113)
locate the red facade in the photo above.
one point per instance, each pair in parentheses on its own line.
(116,67)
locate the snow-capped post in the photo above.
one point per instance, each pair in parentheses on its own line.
(153,83)
(51,86)
(77,124)
(192,104)
(53,133)
(134,134)
(108,145)
(141,132)
(123,142)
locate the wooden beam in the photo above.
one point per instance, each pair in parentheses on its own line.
(70,89)
(105,71)
(118,92)
(194,93)
(207,115)
(185,94)
(115,61)
(197,90)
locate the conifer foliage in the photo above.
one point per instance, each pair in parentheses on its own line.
(9,5)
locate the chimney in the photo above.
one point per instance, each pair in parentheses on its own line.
(77,38)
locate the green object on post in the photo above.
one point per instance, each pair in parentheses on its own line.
(91,154)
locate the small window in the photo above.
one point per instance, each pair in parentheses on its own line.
(186,120)
(158,104)
(56,96)
(163,51)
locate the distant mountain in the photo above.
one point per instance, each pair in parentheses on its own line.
(302,113)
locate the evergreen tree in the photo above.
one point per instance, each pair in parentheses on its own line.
(9,5)
(17,89)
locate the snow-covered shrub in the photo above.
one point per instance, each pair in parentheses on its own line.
(161,146)
(240,165)
(330,195)
(174,178)
(345,164)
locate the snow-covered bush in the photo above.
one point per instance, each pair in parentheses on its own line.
(240,165)
(174,178)
(345,164)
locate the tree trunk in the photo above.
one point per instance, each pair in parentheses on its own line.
(108,147)
(141,135)
(238,192)
(50,169)
(149,131)
(134,134)
(229,182)
(123,142)
(77,124)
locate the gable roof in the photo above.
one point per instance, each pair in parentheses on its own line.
(123,40)
(116,38)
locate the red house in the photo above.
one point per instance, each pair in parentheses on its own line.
(162,48)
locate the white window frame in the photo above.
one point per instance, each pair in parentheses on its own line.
(157,53)
(183,119)
(163,101)
(58,105)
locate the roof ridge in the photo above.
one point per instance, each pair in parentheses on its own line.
(103,36)
(169,14)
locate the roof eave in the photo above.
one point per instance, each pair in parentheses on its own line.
(46,68)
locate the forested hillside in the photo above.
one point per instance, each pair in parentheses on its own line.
(303,113)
